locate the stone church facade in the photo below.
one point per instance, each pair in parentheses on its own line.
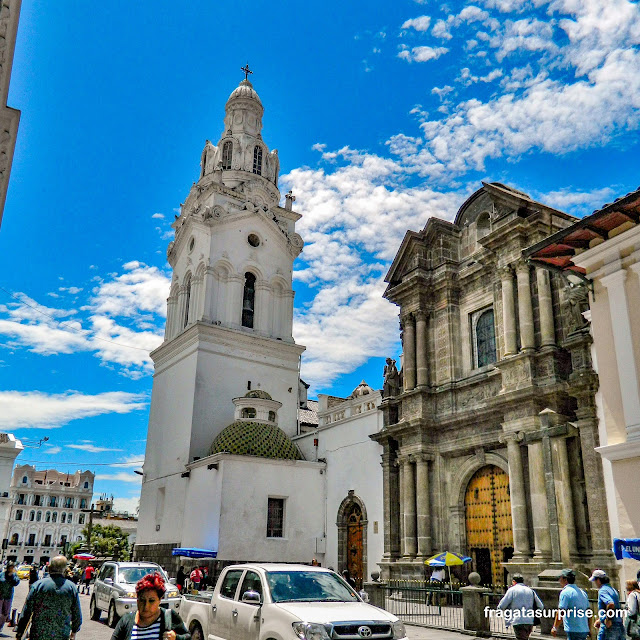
(490,427)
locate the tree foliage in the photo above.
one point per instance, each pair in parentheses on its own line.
(107,540)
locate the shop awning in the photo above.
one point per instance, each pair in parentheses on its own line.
(192,552)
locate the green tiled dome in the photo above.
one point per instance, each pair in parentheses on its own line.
(258,393)
(246,438)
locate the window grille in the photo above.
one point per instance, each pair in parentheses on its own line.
(275,518)
(257,160)
(227,154)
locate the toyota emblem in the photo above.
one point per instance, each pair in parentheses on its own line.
(364,632)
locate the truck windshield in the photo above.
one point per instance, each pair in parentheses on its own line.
(308,586)
(131,575)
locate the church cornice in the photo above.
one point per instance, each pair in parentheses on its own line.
(205,335)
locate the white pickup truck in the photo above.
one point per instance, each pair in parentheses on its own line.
(285,602)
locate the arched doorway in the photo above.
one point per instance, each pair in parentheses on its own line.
(488,523)
(352,538)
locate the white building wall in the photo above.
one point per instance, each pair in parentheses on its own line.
(10,448)
(353,463)
(246,485)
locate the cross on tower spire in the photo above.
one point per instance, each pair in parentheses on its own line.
(246,70)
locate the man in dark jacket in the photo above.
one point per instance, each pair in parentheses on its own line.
(8,580)
(52,606)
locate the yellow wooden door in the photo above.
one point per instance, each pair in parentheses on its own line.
(354,544)
(488,522)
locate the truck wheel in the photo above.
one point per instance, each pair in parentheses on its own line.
(94,612)
(112,617)
(196,632)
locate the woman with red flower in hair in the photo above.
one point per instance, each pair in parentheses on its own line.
(150,621)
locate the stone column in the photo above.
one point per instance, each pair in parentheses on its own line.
(564,500)
(421,349)
(410,547)
(545,301)
(262,311)
(521,543)
(387,500)
(525,309)
(593,477)
(539,511)
(182,309)
(508,312)
(401,504)
(409,361)
(209,287)
(422,506)
(234,302)
(170,326)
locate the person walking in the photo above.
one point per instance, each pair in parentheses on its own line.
(346,576)
(89,572)
(522,602)
(33,575)
(52,606)
(609,623)
(8,580)
(150,621)
(180,578)
(572,608)
(196,577)
(632,621)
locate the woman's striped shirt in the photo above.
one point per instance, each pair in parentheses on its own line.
(152,632)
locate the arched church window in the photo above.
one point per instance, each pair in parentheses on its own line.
(227,154)
(248,300)
(187,301)
(483,225)
(272,416)
(257,160)
(248,412)
(484,338)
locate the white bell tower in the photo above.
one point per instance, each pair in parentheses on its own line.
(229,313)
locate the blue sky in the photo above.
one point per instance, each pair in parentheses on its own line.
(383,114)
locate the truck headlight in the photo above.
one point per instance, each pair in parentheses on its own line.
(310,631)
(173,594)
(398,630)
(131,594)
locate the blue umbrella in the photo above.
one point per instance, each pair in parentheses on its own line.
(447,559)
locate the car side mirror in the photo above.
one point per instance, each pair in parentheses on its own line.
(251,597)
(108,581)
(172,580)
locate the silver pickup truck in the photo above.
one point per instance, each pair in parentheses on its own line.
(285,602)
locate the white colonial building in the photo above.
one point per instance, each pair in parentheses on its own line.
(224,468)
(46,512)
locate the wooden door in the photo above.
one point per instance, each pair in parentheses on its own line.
(354,543)
(488,519)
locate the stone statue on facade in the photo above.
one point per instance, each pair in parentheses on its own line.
(391,385)
(578,299)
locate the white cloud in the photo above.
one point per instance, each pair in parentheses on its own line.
(123,476)
(159,216)
(72,290)
(51,451)
(574,201)
(132,462)
(419,24)
(421,54)
(90,448)
(128,505)
(34,409)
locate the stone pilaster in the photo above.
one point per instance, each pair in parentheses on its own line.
(564,499)
(182,309)
(410,546)
(525,308)
(409,344)
(539,512)
(421,349)
(508,312)
(209,287)
(401,504)
(422,506)
(390,505)
(547,329)
(235,284)
(172,309)
(262,314)
(521,543)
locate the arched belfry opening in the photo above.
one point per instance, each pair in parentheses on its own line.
(488,523)
(248,300)
(352,538)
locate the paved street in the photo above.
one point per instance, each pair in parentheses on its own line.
(100,631)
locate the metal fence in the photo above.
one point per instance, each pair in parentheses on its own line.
(421,602)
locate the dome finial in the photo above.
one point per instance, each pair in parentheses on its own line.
(246,70)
